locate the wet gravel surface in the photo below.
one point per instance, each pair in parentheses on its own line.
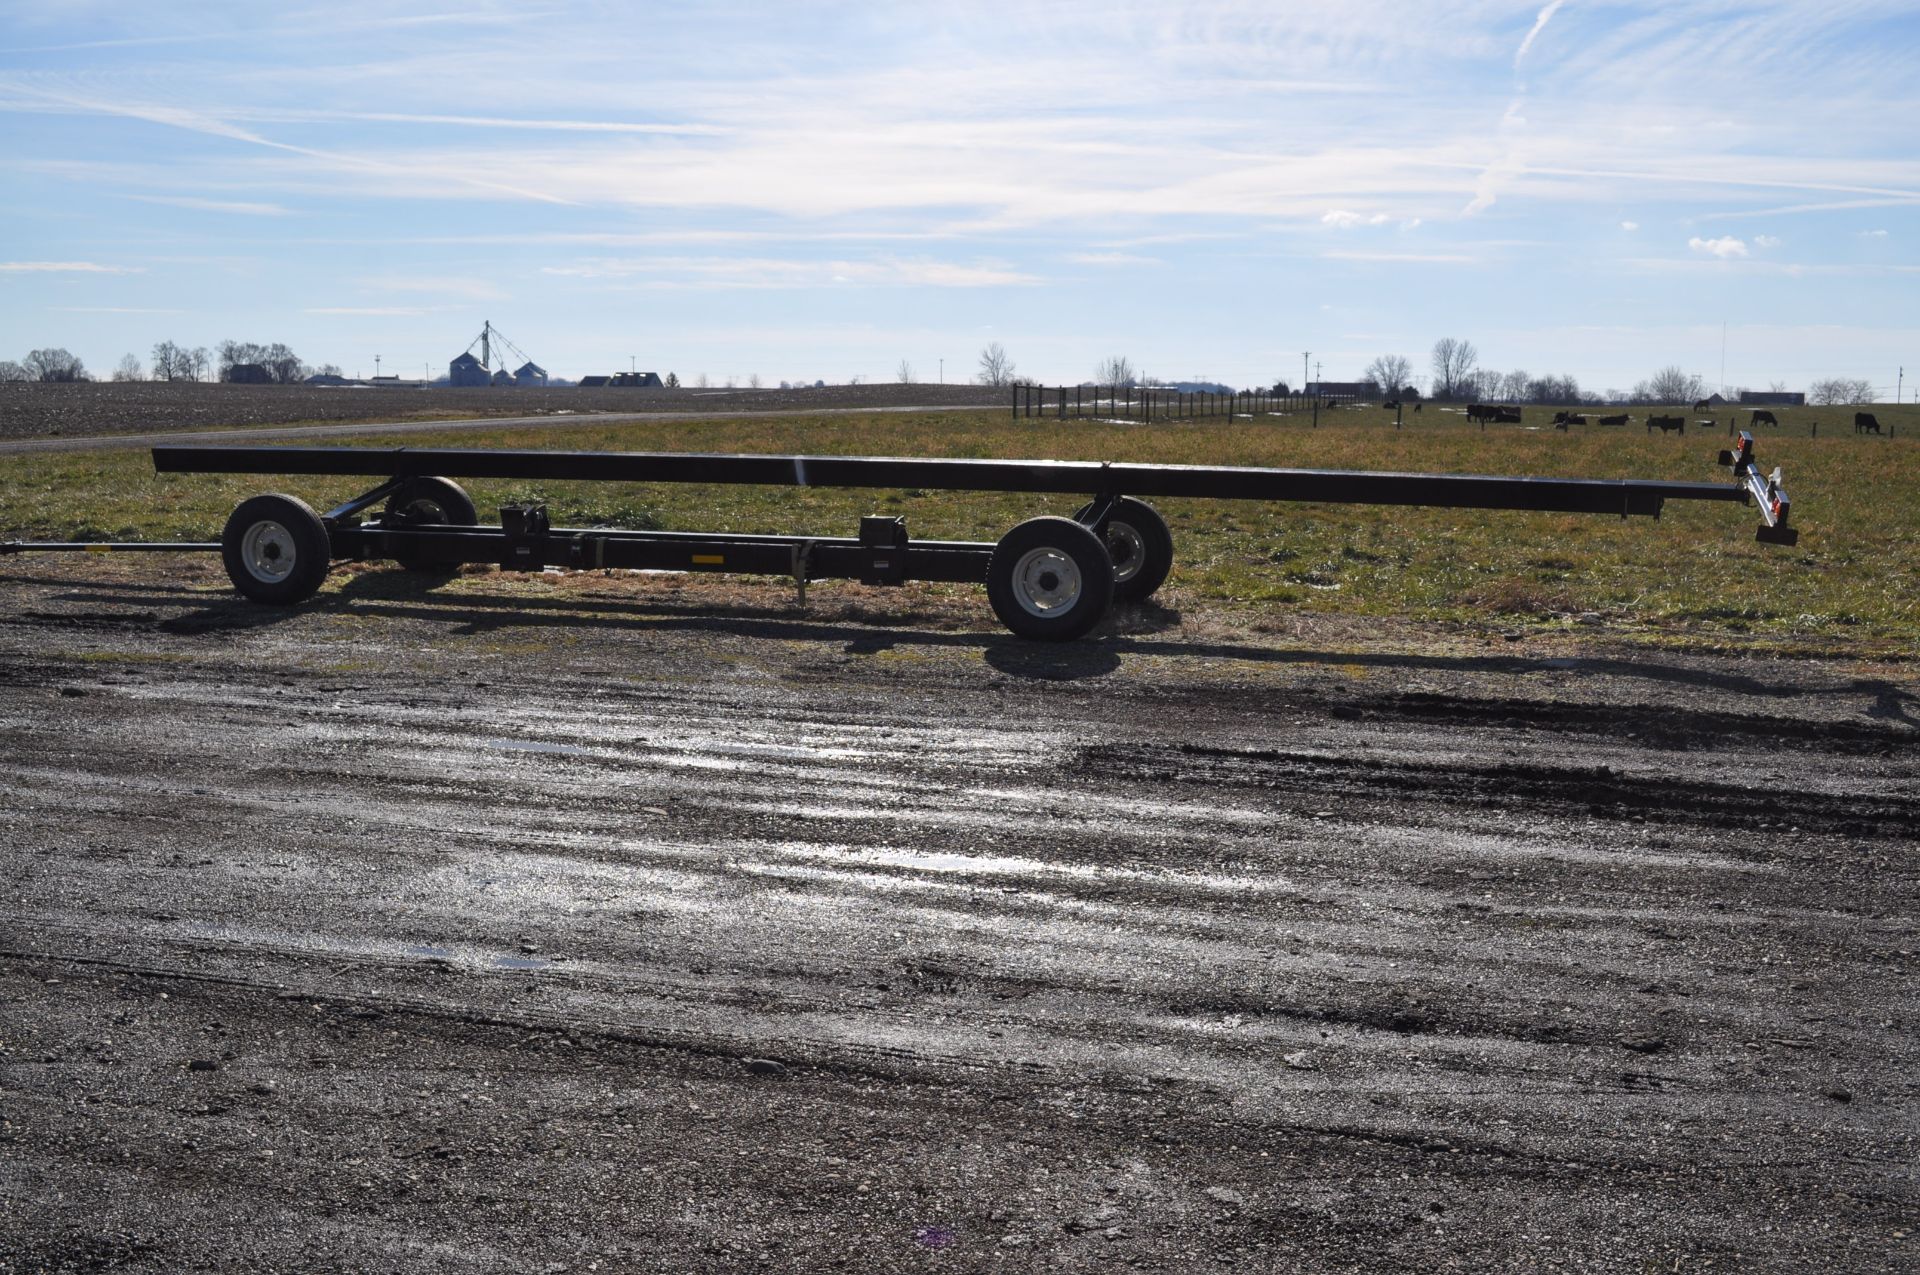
(651,930)
(32,410)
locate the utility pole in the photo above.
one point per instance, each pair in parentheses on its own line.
(376,367)
(1316,377)
(943,371)
(630,365)
(1304,355)
(1900,386)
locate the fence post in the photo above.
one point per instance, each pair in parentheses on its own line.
(1063,402)
(1316,412)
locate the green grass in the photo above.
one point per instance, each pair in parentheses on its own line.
(1694,577)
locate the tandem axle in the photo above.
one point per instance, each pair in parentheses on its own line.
(1049,578)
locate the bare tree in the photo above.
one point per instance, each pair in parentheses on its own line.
(55,364)
(700,382)
(1840,390)
(1560,391)
(1453,364)
(1391,372)
(200,364)
(128,369)
(171,363)
(1669,385)
(11,371)
(673,380)
(996,368)
(753,381)
(1115,370)
(1513,387)
(904,373)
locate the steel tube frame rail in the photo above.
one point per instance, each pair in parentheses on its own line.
(1622,496)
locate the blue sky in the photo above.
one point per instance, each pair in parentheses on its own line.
(822,190)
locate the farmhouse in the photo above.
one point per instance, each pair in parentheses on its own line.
(1772,398)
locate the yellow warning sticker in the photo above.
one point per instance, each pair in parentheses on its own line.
(709,560)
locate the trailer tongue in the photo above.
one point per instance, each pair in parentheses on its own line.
(1048,578)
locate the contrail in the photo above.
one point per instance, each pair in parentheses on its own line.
(1539,25)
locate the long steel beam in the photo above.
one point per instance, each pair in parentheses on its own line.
(1065,477)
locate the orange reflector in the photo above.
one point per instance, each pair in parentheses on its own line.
(709,560)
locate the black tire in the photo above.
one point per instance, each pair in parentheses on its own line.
(1050,579)
(429,500)
(276,549)
(1140,545)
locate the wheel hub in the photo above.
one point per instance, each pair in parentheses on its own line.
(1046,582)
(267,551)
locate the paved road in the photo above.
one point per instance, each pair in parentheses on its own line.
(613,921)
(353,429)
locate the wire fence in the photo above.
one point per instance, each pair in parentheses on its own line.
(1149,403)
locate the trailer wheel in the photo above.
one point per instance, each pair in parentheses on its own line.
(429,500)
(276,549)
(1050,579)
(1139,544)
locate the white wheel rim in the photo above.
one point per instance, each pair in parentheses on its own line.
(1127,548)
(1046,583)
(268,552)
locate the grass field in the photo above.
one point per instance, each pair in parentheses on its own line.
(1695,577)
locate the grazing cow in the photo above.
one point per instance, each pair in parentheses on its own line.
(1702,405)
(1416,408)
(1762,416)
(1563,418)
(1482,412)
(1621,419)
(1576,418)
(1666,423)
(1865,423)
(1391,405)
(1508,416)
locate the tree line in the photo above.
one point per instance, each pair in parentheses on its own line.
(273,364)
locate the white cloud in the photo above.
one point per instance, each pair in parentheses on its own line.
(381,311)
(1427,257)
(1112,259)
(240,207)
(1348,220)
(446,286)
(65,267)
(767,272)
(1765,241)
(1873,234)
(1726,247)
(1629,225)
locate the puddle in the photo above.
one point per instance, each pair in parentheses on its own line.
(431,953)
(521,962)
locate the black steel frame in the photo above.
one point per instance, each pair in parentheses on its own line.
(882,553)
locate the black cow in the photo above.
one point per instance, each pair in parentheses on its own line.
(1482,412)
(1666,423)
(1563,418)
(1621,419)
(1865,423)
(1702,405)
(1506,416)
(1416,407)
(1762,416)
(1391,405)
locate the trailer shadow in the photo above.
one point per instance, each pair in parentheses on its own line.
(1139,632)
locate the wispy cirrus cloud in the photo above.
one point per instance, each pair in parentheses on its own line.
(238,207)
(767,272)
(66,267)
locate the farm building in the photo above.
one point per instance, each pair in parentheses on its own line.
(1772,398)
(467,371)
(637,380)
(594,382)
(1341,389)
(530,373)
(502,377)
(249,374)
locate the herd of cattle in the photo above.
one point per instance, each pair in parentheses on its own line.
(1501,414)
